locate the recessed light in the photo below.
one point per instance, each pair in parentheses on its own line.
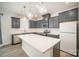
(67,2)
(37,5)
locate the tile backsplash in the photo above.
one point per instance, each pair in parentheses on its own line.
(52,30)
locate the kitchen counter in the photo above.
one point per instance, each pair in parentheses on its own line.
(40,44)
(48,34)
(38,33)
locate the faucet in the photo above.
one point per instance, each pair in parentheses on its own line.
(46,32)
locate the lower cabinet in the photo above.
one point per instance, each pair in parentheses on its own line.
(56,50)
(15,39)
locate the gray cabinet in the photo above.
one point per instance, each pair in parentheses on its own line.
(54,22)
(46,18)
(38,24)
(44,23)
(51,23)
(32,24)
(56,50)
(15,22)
(70,15)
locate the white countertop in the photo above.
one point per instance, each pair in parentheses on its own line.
(41,43)
(53,33)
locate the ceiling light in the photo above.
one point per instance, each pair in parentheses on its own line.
(41,9)
(30,15)
(37,6)
(66,2)
(24,17)
(45,10)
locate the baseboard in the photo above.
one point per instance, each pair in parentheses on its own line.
(68,53)
(1,45)
(4,45)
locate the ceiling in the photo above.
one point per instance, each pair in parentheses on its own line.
(17,7)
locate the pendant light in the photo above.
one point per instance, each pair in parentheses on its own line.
(34,17)
(41,9)
(25,17)
(30,13)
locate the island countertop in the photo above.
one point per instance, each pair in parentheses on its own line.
(41,43)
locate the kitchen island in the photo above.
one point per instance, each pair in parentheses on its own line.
(37,45)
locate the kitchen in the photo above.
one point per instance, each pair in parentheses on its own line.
(45,33)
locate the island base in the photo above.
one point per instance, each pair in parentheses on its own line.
(32,52)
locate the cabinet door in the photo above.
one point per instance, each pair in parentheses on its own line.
(38,24)
(32,24)
(70,15)
(55,22)
(56,50)
(51,23)
(44,23)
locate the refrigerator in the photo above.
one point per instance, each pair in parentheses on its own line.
(68,36)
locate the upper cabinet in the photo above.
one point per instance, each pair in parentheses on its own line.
(70,15)
(40,23)
(45,22)
(15,22)
(32,24)
(54,22)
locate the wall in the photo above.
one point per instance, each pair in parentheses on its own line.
(6,27)
(52,30)
(24,23)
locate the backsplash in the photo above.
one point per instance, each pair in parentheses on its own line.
(52,30)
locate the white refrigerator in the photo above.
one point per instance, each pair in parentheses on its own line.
(68,36)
